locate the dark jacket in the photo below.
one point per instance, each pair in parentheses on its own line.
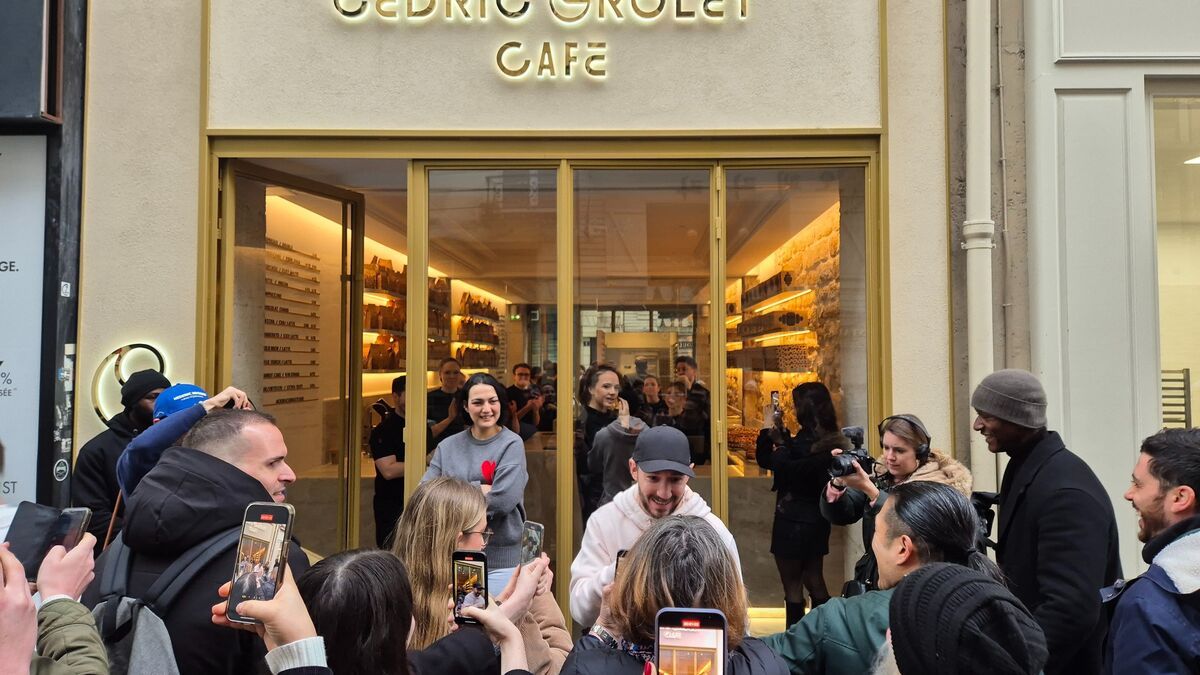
(592,657)
(187,498)
(1156,625)
(801,468)
(1057,547)
(94,483)
(840,636)
(466,651)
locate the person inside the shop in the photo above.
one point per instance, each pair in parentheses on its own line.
(527,401)
(94,483)
(489,455)
(687,369)
(652,403)
(683,412)
(800,463)
(387,449)
(549,411)
(906,457)
(600,394)
(444,417)
(661,468)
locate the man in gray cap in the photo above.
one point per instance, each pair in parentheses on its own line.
(94,483)
(661,467)
(1057,531)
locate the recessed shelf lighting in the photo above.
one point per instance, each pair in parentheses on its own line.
(1194,160)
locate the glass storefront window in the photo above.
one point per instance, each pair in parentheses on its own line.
(642,256)
(1177,206)
(795,301)
(492,269)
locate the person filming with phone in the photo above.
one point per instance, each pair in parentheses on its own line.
(682,562)
(660,467)
(858,493)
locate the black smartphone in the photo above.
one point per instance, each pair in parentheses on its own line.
(261,555)
(690,641)
(532,536)
(37,528)
(469,572)
(617,564)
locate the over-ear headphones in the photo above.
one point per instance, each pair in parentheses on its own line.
(922,450)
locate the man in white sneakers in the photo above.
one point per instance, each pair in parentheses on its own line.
(661,466)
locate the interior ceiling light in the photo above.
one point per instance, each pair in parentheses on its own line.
(1194,160)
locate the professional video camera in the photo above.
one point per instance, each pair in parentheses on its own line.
(843,464)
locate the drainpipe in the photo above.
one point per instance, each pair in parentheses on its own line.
(979,228)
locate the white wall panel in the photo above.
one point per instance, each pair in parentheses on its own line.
(1125,29)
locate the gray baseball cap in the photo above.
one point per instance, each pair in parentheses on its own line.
(663,449)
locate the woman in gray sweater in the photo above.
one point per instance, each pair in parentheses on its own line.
(491,456)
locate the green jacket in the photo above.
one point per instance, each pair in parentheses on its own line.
(68,642)
(841,636)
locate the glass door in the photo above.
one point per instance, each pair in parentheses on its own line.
(287,247)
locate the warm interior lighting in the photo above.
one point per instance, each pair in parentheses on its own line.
(376,299)
(733,320)
(776,336)
(476,345)
(1194,160)
(732,346)
(786,298)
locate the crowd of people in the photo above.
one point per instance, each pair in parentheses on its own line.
(925,598)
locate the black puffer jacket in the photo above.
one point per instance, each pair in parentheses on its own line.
(591,657)
(94,482)
(187,498)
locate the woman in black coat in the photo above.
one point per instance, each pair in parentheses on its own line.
(680,561)
(800,534)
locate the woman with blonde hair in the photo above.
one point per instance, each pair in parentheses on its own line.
(447,514)
(679,562)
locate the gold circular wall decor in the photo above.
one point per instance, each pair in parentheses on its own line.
(116,358)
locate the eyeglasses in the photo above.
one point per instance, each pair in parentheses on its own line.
(484,534)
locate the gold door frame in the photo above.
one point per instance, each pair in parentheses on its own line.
(435,151)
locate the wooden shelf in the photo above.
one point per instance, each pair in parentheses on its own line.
(307,303)
(475,345)
(479,317)
(387,294)
(385,331)
(280,246)
(315,281)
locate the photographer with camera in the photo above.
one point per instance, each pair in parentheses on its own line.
(857,491)
(387,449)
(799,535)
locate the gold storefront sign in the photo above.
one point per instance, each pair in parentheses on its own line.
(516,59)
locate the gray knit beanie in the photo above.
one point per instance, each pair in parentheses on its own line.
(1014,396)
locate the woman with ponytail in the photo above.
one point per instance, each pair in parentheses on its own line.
(921,522)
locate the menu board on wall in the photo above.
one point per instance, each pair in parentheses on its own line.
(22,235)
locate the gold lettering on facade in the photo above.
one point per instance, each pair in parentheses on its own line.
(362,7)
(652,14)
(546,61)
(714,12)
(508,13)
(681,13)
(382,9)
(745,8)
(426,11)
(510,72)
(462,8)
(569,57)
(595,63)
(569,19)
(616,8)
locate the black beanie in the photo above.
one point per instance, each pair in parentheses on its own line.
(946,618)
(141,383)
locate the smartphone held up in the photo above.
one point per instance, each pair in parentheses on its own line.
(469,572)
(261,555)
(37,528)
(690,641)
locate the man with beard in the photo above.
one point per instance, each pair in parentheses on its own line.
(1058,533)
(94,483)
(1156,624)
(660,466)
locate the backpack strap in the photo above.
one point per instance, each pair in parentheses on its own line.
(114,573)
(181,572)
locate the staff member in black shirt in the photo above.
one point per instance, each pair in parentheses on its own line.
(526,400)
(444,420)
(387,449)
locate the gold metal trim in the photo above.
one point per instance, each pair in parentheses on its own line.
(565,433)
(416,328)
(716,343)
(952,446)
(536,134)
(351,351)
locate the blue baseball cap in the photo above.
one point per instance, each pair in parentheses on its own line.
(176,398)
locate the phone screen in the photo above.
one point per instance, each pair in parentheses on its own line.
(532,535)
(36,528)
(470,583)
(691,644)
(69,528)
(620,557)
(261,555)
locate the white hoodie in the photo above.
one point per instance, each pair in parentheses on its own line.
(616,526)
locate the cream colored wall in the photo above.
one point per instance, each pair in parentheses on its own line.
(1179,301)
(918,232)
(141,161)
(791,64)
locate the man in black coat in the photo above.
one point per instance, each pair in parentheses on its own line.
(230,458)
(94,483)
(1057,533)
